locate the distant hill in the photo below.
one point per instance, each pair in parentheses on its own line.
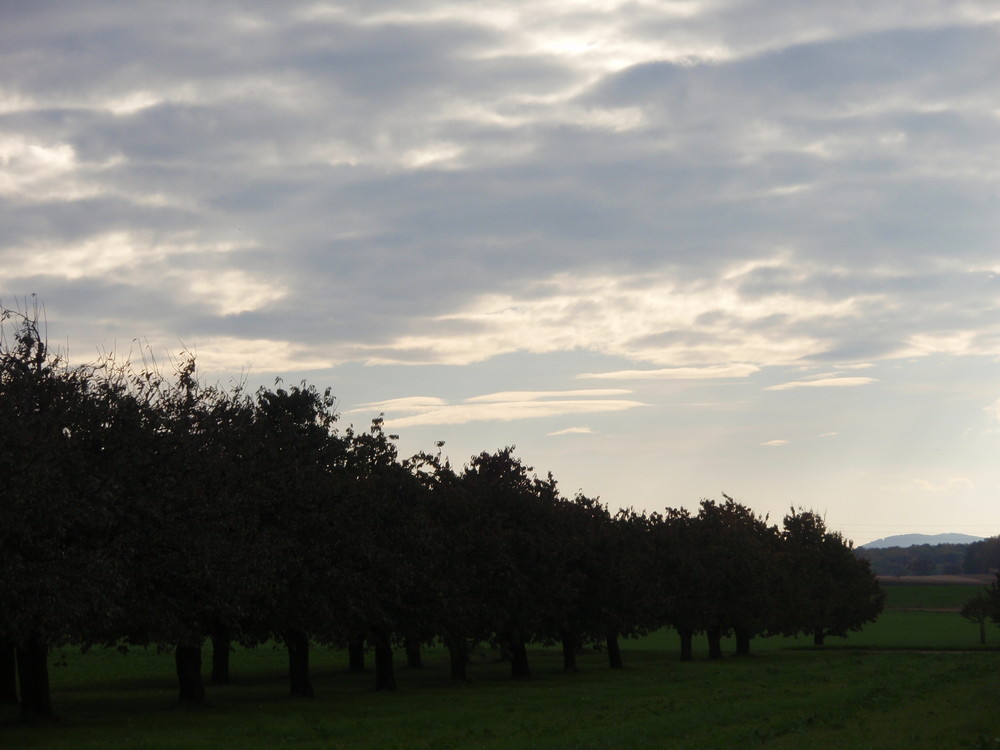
(910,540)
(932,555)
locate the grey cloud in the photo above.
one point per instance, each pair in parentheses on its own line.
(833,77)
(368,252)
(72,221)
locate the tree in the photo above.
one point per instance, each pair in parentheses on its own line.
(724,562)
(992,594)
(826,588)
(60,504)
(295,496)
(515,507)
(187,543)
(682,592)
(627,594)
(982,556)
(454,561)
(977,610)
(599,564)
(8,672)
(386,547)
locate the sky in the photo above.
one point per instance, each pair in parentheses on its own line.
(668,249)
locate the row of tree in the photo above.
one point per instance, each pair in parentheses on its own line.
(140,510)
(935,559)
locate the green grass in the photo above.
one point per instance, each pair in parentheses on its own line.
(867,691)
(778,698)
(930,595)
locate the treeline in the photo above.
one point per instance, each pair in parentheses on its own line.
(935,559)
(139,510)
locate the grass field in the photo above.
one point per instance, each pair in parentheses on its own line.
(930,596)
(854,693)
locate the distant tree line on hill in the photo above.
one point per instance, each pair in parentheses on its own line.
(935,559)
(139,510)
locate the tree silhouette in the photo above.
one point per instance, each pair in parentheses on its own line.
(826,588)
(977,610)
(296,493)
(61,504)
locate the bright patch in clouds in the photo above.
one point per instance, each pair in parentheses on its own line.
(128,257)
(31,171)
(233,292)
(638,318)
(775,443)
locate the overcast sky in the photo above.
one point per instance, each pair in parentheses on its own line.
(667,248)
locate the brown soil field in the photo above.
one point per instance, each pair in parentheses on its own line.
(963,579)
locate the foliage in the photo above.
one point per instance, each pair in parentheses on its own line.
(982,556)
(826,588)
(977,610)
(928,559)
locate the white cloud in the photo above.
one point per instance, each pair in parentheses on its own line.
(229,354)
(993,410)
(934,486)
(406,405)
(36,172)
(232,292)
(519,396)
(653,318)
(830,382)
(949,485)
(571,431)
(137,257)
(677,373)
(499,407)
(775,443)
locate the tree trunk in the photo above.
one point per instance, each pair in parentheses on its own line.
(519,660)
(385,676)
(298,664)
(220,659)
(459,653)
(33,675)
(188,662)
(714,643)
(356,655)
(743,642)
(982,632)
(413,658)
(8,672)
(569,645)
(818,637)
(687,643)
(614,652)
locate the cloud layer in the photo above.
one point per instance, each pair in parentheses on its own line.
(676,183)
